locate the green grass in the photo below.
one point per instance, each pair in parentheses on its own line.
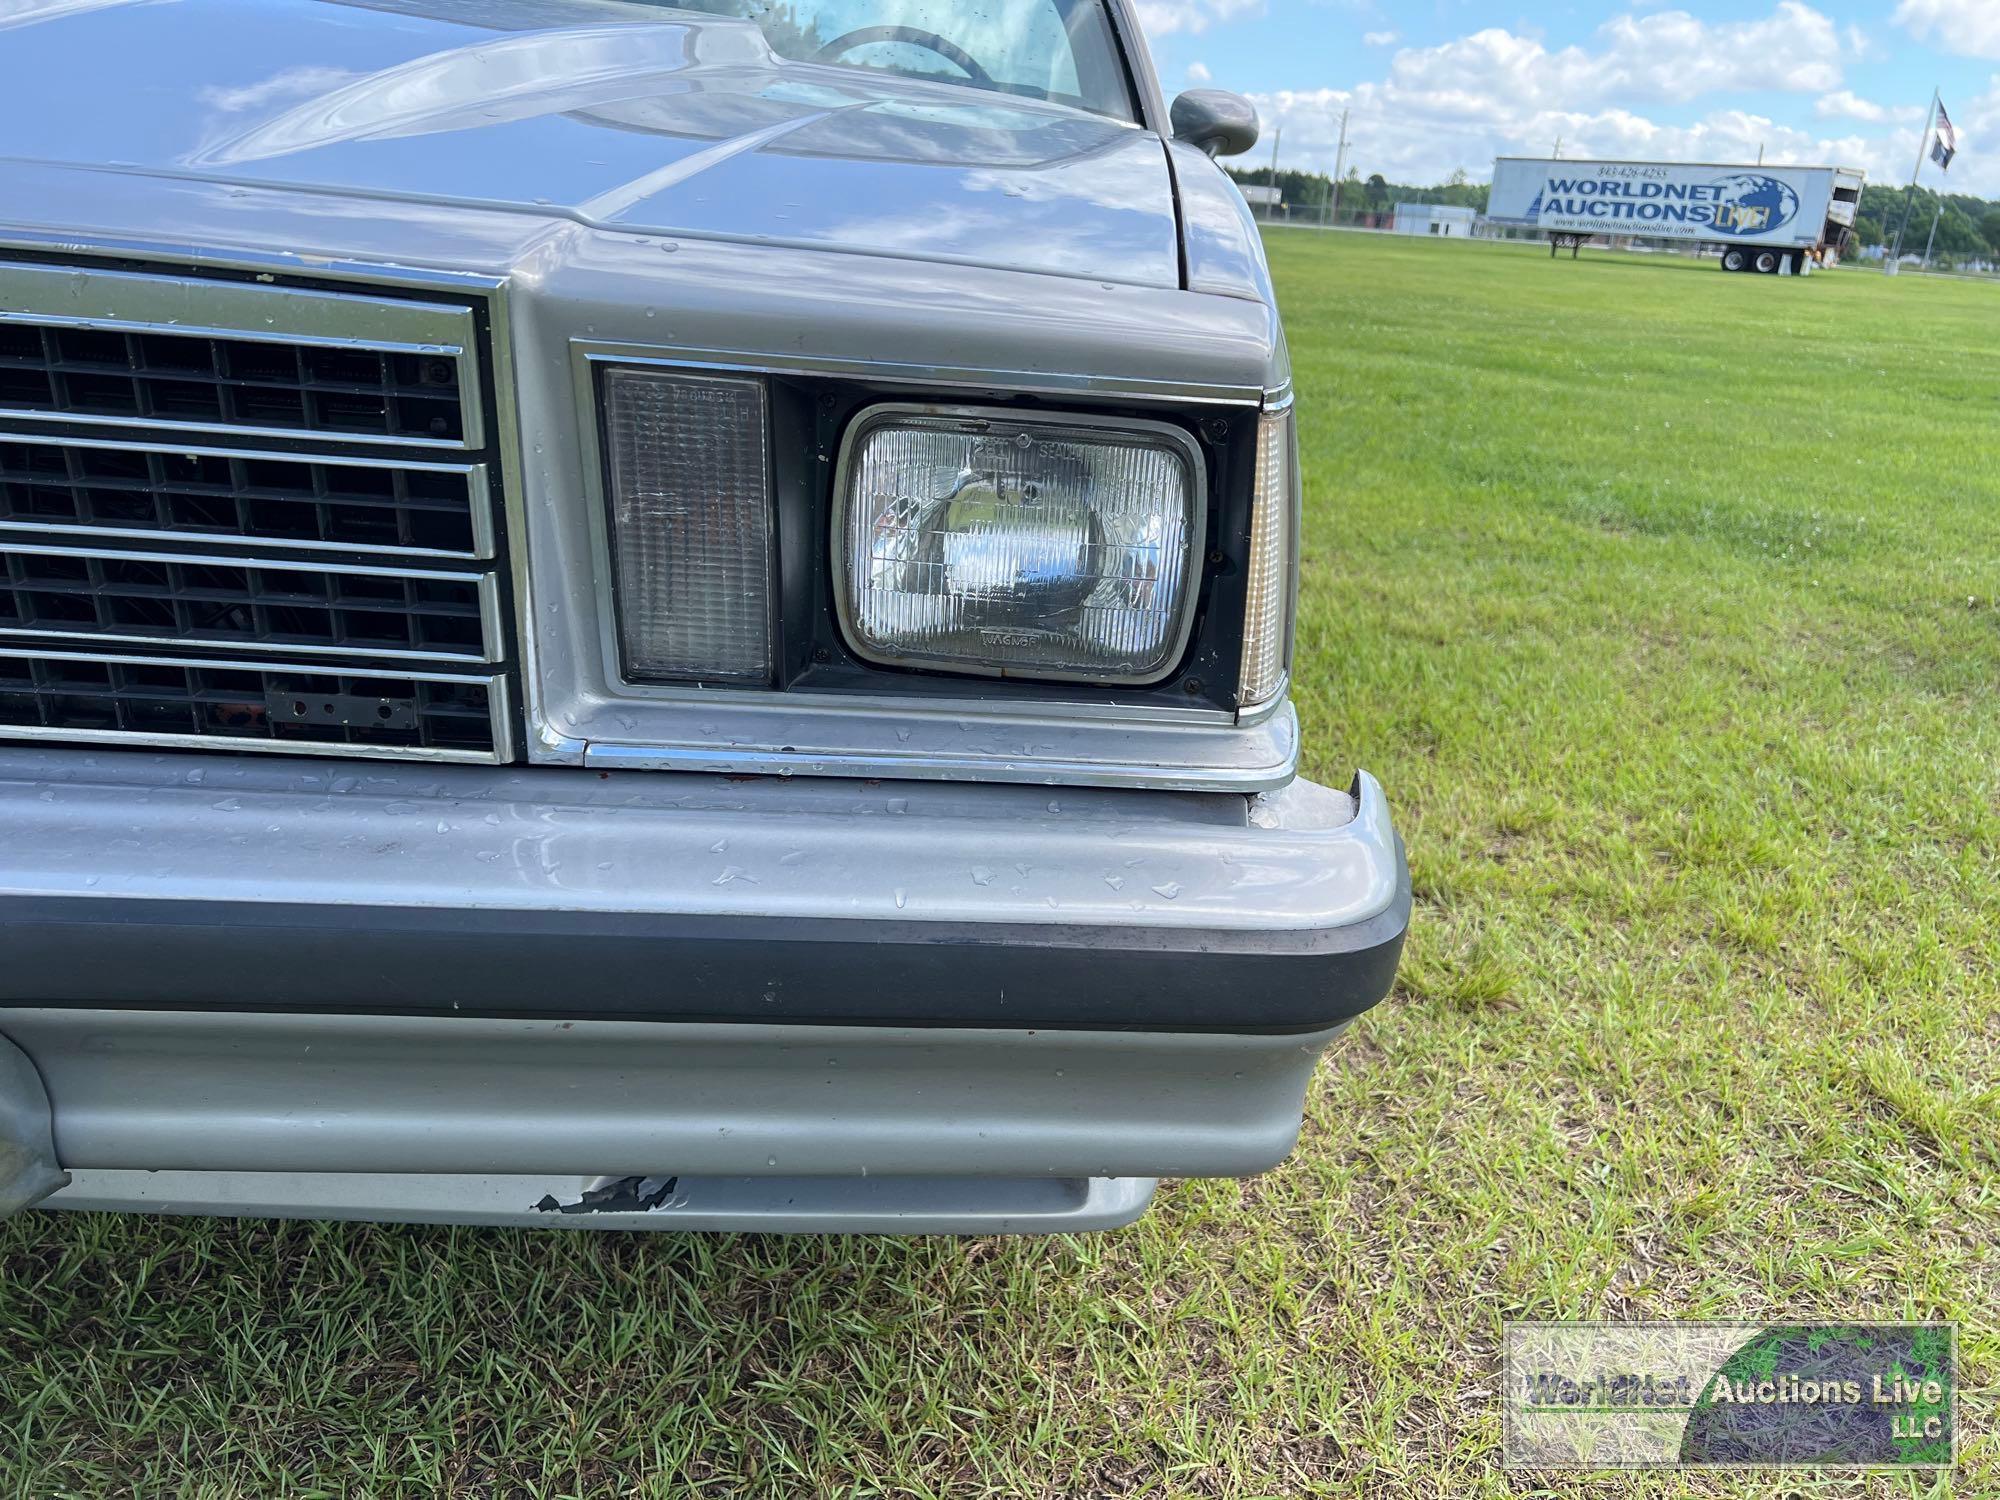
(1664,604)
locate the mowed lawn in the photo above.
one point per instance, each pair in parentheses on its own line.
(1664,604)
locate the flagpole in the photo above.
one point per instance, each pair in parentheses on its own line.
(1910,198)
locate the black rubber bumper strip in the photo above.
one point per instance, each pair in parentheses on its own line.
(246,956)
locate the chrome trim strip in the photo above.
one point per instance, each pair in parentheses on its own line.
(1257,713)
(368,275)
(544,744)
(500,713)
(479,494)
(489,608)
(933,1204)
(967,380)
(496,690)
(866,420)
(133,302)
(478,497)
(492,622)
(1252,758)
(155,424)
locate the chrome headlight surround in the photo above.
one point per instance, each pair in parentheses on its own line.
(1188,532)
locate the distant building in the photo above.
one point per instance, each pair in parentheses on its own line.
(1262,197)
(1434,218)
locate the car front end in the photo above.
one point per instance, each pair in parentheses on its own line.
(609,619)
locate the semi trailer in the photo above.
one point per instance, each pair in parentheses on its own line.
(1765,220)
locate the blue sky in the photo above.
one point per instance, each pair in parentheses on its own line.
(1433,85)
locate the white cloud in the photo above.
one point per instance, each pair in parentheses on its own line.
(1496,93)
(1493,93)
(1197,72)
(1844,104)
(1669,56)
(290,84)
(1380,38)
(1158,18)
(1968,28)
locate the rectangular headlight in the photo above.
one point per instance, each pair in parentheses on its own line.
(978,542)
(1267,620)
(690,480)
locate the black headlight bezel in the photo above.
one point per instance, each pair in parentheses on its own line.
(809,419)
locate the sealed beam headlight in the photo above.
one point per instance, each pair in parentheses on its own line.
(971,541)
(691,531)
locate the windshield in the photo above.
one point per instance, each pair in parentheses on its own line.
(1062,50)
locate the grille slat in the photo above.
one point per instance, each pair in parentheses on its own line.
(217,494)
(176,599)
(230,382)
(247,515)
(275,707)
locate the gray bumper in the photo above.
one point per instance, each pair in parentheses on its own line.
(449,1119)
(198,882)
(351,992)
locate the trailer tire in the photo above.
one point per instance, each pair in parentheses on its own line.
(1734,259)
(1767,262)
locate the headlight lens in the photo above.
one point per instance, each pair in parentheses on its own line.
(691,525)
(981,543)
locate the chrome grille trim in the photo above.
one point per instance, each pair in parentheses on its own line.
(498,718)
(177,307)
(478,514)
(480,604)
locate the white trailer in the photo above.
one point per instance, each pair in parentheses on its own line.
(1762,219)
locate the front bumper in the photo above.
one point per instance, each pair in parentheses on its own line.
(443,975)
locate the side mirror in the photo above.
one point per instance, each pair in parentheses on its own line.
(1215,121)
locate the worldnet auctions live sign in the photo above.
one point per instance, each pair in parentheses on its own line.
(1776,205)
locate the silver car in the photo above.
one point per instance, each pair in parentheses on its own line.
(634,616)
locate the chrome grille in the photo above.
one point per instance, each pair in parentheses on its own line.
(321,570)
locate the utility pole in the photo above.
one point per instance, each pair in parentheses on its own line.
(1910,198)
(1557,153)
(1339,166)
(1760,153)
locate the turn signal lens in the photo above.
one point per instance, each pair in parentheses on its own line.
(1267,622)
(690,524)
(981,543)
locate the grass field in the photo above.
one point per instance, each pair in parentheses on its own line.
(1664,604)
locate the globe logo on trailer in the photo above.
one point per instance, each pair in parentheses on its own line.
(1751,203)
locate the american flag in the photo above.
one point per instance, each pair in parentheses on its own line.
(1945,147)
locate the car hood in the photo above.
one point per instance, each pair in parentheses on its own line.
(619,116)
